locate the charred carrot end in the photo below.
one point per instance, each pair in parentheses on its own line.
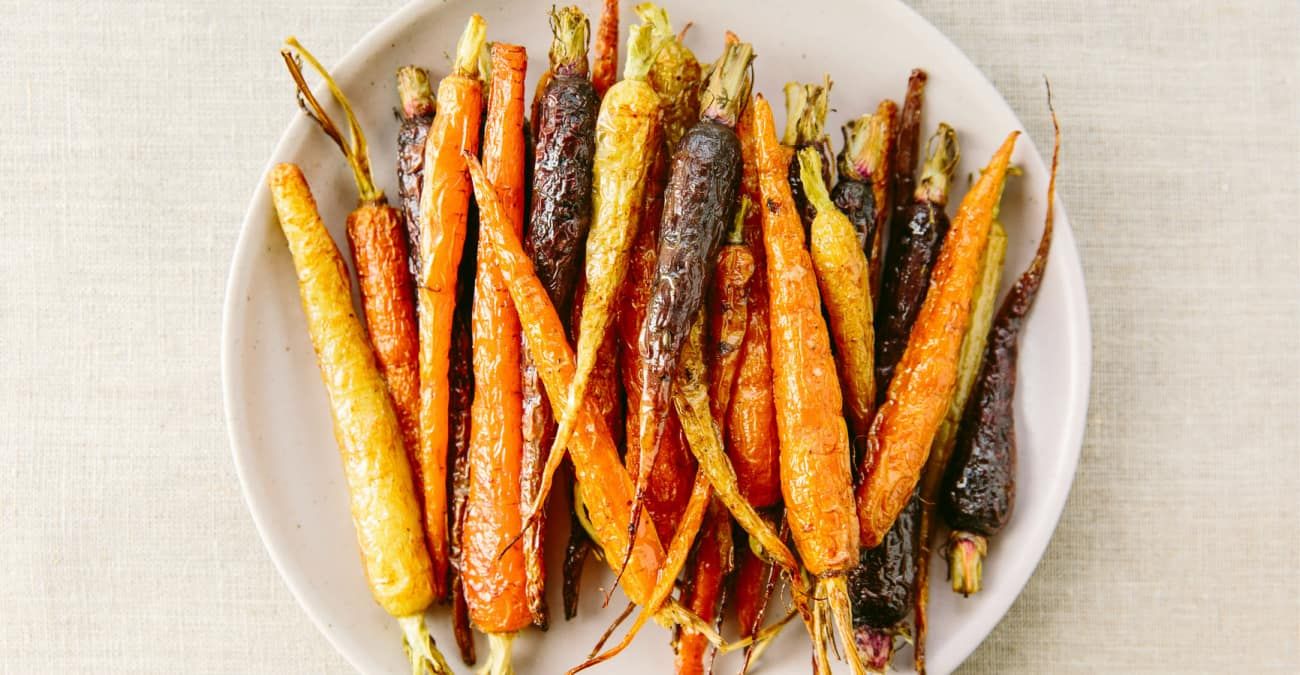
(927,373)
(604,71)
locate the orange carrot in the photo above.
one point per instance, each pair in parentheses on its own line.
(924,380)
(816,479)
(604,67)
(493,567)
(444,204)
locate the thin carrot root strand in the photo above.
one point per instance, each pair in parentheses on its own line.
(835,590)
(609,632)
(420,648)
(966,552)
(759,642)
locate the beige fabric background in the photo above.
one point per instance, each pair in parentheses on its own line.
(132,134)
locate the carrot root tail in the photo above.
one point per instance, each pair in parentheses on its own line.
(834,590)
(420,648)
(966,552)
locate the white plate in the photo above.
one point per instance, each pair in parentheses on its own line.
(276,408)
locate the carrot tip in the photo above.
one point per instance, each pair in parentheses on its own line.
(420,647)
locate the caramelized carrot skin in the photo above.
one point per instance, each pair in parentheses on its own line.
(495,578)
(728,319)
(907,148)
(815,473)
(604,66)
(751,423)
(460,379)
(379,250)
(444,202)
(917,399)
(607,487)
(384,508)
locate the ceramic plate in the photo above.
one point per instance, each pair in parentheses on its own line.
(276,409)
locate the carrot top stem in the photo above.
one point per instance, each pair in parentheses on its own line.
(414,91)
(942,155)
(966,551)
(354,149)
(805,106)
(727,88)
(810,171)
(865,140)
(499,661)
(571,32)
(469,50)
(643,45)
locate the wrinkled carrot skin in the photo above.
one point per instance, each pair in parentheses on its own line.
(815,473)
(907,150)
(535,108)
(924,380)
(751,423)
(493,568)
(444,203)
(384,507)
(417,112)
(604,65)
(607,485)
(704,590)
(461,383)
(379,250)
(728,318)
(755,581)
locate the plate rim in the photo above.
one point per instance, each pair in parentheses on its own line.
(1078,327)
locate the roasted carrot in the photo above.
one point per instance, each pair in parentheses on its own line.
(460,380)
(606,487)
(751,425)
(926,375)
(604,69)
(699,202)
(385,510)
(627,128)
(913,248)
(565,140)
(805,121)
(845,284)
(417,110)
(983,302)
(495,578)
(881,589)
(816,479)
(676,78)
(444,202)
(980,486)
(907,150)
(376,238)
(865,159)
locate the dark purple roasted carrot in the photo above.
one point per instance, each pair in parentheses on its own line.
(416,96)
(805,120)
(565,143)
(913,249)
(881,589)
(699,203)
(907,149)
(980,487)
(460,381)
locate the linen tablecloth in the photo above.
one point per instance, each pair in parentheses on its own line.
(132,134)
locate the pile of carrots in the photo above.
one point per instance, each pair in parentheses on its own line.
(765,364)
